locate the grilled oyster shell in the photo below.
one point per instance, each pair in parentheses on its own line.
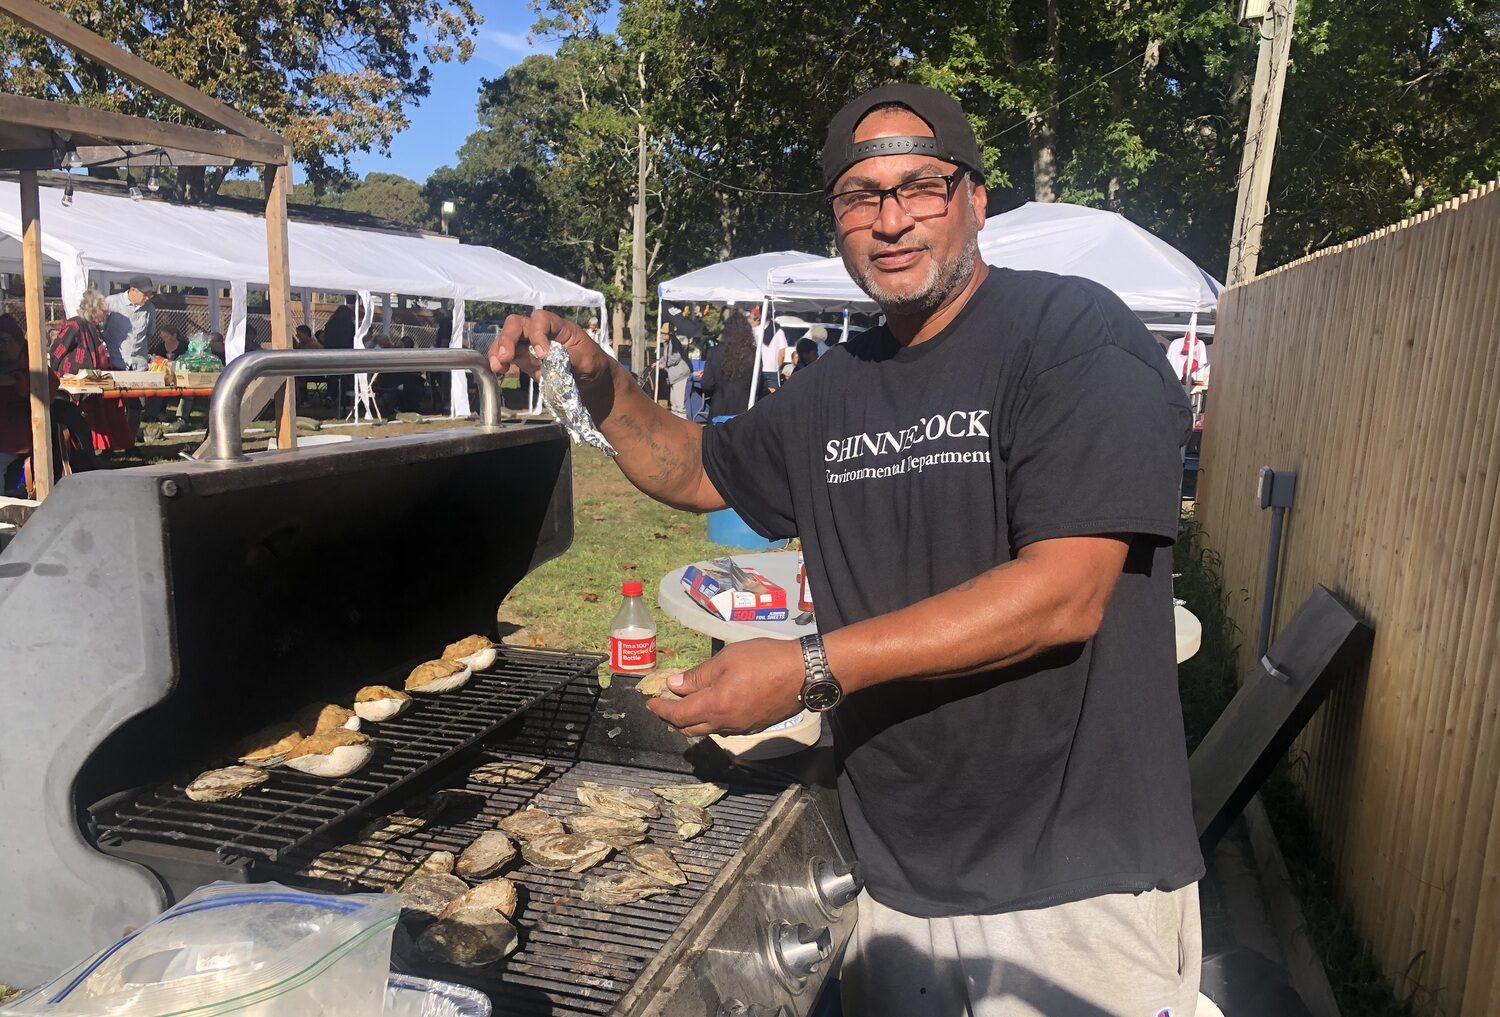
(690,820)
(487,855)
(229,782)
(622,888)
(270,745)
(379,868)
(429,893)
(438,861)
(510,771)
(477,652)
(334,753)
(315,718)
(437,676)
(471,937)
(617,801)
(499,893)
(378,703)
(565,851)
(617,832)
(656,861)
(529,823)
(701,795)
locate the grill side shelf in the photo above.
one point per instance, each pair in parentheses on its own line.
(291,809)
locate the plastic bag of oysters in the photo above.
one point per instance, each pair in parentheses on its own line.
(253,950)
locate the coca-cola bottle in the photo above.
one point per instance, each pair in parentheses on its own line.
(632,633)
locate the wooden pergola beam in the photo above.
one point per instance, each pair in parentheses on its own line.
(80,40)
(52,116)
(36,350)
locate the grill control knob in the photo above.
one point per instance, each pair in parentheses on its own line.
(734,1008)
(837,885)
(800,948)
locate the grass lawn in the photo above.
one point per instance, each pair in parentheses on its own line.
(619,534)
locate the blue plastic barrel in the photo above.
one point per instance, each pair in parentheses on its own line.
(726,527)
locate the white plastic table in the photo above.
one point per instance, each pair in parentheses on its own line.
(781,568)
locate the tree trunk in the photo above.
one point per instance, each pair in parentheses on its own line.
(616,310)
(638,261)
(1044,158)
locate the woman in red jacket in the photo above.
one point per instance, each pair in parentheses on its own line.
(79,347)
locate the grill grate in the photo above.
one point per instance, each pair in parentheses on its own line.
(575,958)
(289,811)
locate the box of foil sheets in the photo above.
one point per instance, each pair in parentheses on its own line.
(733,592)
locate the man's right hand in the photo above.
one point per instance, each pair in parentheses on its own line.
(522,333)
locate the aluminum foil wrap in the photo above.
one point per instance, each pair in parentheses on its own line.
(561,397)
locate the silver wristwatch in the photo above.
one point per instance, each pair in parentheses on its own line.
(821,691)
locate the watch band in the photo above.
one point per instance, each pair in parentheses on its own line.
(821,691)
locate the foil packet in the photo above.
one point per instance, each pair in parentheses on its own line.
(561,397)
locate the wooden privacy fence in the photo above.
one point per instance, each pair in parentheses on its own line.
(1373,369)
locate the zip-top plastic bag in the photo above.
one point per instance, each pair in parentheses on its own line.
(252,950)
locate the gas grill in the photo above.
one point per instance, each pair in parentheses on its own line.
(152,618)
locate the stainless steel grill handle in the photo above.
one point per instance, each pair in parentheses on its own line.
(224,440)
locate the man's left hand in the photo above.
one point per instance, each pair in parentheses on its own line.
(745,687)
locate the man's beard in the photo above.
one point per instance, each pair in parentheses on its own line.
(928,297)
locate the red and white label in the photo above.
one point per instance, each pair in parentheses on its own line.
(632,654)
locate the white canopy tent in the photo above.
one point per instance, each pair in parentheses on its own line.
(736,281)
(1147,273)
(97,238)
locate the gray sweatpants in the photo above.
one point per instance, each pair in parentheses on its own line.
(1120,955)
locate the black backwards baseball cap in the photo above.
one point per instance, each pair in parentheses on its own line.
(952,138)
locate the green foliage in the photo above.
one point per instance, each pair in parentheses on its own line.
(385,195)
(331,77)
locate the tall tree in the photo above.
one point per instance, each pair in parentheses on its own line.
(332,77)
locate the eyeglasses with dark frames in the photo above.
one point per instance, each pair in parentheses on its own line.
(922,198)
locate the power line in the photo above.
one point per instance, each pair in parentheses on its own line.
(745,190)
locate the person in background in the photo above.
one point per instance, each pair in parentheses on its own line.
(597,334)
(757,327)
(216,344)
(674,360)
(302,339)
(819,335)
(805,355)
(79,346)
(130,324)
(15,402)
(726,377)
(338,333)
(773,351)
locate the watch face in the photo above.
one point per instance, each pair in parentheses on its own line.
(822,694)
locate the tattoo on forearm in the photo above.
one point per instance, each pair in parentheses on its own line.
(671,464)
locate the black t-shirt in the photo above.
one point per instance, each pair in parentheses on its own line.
(1044,410)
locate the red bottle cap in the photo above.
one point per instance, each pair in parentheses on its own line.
(631,587)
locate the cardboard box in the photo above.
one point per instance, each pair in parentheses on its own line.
(197,379)
(733,593)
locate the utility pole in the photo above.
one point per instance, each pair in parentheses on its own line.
(1272,19)
(639,341)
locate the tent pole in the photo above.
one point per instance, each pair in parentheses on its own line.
(215,314)
(280,293)
(307,296)
(655,373)
(41,390)
(844,335)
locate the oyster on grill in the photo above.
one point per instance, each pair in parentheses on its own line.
(529,823)
(217,785)
(619,833)
(701,795)
(429,893)
(376,867)
(377,703)
(656,861)
(565,851)
(617,801)
(270,745)
(471,937)
(437,676)
(335,753)
(499,894)
(622,888)
(476,652)
(486,855)
(690,820)
(315,718)
(510,771)
(438,861)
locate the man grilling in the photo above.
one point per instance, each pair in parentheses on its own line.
(986,488)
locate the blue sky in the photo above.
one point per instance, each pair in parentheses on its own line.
(446,117)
